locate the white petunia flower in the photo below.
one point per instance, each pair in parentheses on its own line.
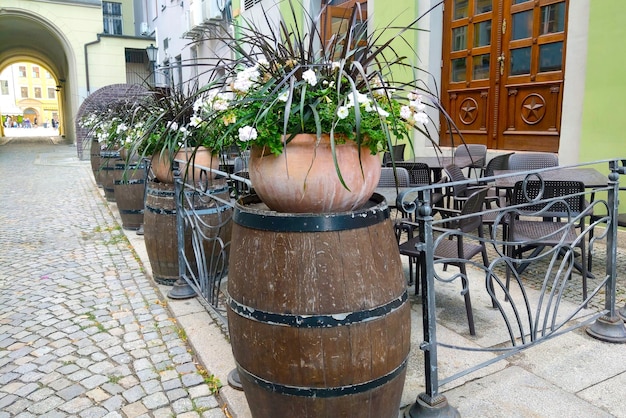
(421,117)
(310,77)
(195,121)
(406,113)
(283,96)
(382,112)
(342,112)
(247,133)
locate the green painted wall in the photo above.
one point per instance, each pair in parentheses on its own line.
(604,112)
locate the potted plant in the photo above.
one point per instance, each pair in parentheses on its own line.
(340,105)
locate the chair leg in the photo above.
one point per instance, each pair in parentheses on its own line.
(468,300)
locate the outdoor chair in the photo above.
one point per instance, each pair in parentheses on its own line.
(457,194)
(478,155)
(457,248)
(552,223)
(499,162)
(395,177)
(398,154)
(532,160)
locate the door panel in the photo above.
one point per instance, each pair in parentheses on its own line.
(503,67)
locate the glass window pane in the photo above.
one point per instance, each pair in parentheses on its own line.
(480,67)
(459,38)
(482,33)
(520,1)
(522,25)
(460,9)
(483,6)
(520,61)
(458,69)
(550,57)
(553,18)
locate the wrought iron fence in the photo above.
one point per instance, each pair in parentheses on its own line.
(521,320)
(581,230)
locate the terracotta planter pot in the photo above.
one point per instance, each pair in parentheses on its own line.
(203,157)
(162,165)
(304,178)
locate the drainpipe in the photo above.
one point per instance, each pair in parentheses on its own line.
(87,61)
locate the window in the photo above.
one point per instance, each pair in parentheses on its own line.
(4,87)
(24,91)
(22,70)
(35,72)
(48,75)
(37,92)
(248,4)
(51,93)
(112,17)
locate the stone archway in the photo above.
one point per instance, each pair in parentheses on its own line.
(97,100)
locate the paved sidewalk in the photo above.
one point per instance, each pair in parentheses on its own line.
(83,330)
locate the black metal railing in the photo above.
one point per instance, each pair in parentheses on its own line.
(523,319)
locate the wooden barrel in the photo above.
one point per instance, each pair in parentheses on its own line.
(318,314)
(109,170)
(95,160)
(129,190)
(160,233)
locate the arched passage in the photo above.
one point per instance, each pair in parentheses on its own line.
(26,36)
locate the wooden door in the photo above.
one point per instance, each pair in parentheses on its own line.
(336,15)
(502,72)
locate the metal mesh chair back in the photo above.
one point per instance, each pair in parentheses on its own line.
(398,154)
(550,189)
(477,152)
(454,174)
(499,162)
(533,160)
(393,177)
(419,173)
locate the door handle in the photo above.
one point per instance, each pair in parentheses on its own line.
(501,60)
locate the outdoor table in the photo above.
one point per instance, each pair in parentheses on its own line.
(591,177)
(438,163)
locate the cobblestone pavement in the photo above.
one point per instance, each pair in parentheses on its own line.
(83,332)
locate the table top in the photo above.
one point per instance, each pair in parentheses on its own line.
(439,162)
(590,176)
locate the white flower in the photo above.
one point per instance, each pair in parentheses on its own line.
(421,117)
(417,105)
(247,133)
(283,96)
(310,77)
(121,128)
(172,125)
(382,112)
(335,65)
(195,121)
(342,112)
(406,113)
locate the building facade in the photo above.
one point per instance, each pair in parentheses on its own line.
(516,75)
(83,44)
(29,91)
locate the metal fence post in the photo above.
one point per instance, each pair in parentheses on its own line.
(181,289)
(611,327)
(429,403)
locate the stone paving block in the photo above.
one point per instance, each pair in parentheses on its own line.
(182,405)
(134,409)
(77,405)
(155,400)
(206,402)
(71,392)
